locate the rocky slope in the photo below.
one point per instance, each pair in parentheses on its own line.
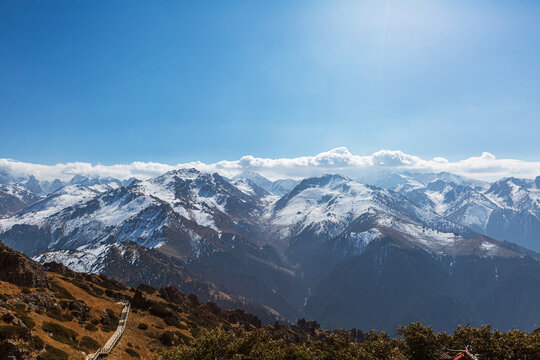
(60,314)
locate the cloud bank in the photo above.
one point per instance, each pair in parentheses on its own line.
(340,160)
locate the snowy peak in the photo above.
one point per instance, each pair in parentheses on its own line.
(249,187)
(254,183)
(255,178)
(396,182)
(331,182)
(517,194)
(96,180)
(326,206)
(282,186)
(404,182)
(14,198)
(427,178)
(186,187)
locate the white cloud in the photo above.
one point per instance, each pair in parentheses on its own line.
(339,160)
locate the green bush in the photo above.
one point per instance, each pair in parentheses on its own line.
(12,332)
(61,292)
(36,343)
(173,338)
(160,310)
(19,307)
(172,321)
(52,353)
(61,333)
(109,321)
(420,342)
(27,321)
(133,353)
(98,291)
(415,342)
(87,343)
(56,315)
(91,327)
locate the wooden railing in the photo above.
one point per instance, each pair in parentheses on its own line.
(107,348)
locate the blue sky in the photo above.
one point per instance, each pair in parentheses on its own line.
(115,82)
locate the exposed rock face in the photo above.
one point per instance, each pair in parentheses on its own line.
(172,294)
(43,300)
(18,269)
(58,268)
(240,316)
(139,301)
(11,351)
(78,309)
(12,319)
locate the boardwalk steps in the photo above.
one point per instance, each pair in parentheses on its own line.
(107,348)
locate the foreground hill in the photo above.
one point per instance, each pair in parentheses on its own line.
(60,314)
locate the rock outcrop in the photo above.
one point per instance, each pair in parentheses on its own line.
(18,269)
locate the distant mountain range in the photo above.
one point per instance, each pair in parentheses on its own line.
(508,209)
(438,248)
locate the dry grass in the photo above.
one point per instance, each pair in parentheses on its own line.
(144,342)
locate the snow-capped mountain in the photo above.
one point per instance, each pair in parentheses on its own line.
(327,206)
(406,181)
(14,198)
(253,182)
(507,210)
(186,202)
(288,253)
(192,217)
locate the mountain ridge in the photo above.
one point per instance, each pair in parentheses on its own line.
(252,249)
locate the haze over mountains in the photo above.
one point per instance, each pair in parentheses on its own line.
(434,247)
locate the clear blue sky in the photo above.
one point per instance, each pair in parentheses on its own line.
(114,81)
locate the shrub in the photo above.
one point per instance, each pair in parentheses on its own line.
(61,333)
(143,326)
(133,353)
(36,343)
(91,327)
(19,307)
(98,291)
(12,332)
(56,315)
(109,321)
(87,343)
(147,288)
(160,310)
(27,320)
(169,338)
(421,342)
(111,284)
(52,353)
(61,292)
(172,321)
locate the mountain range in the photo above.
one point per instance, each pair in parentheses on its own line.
(438,248)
